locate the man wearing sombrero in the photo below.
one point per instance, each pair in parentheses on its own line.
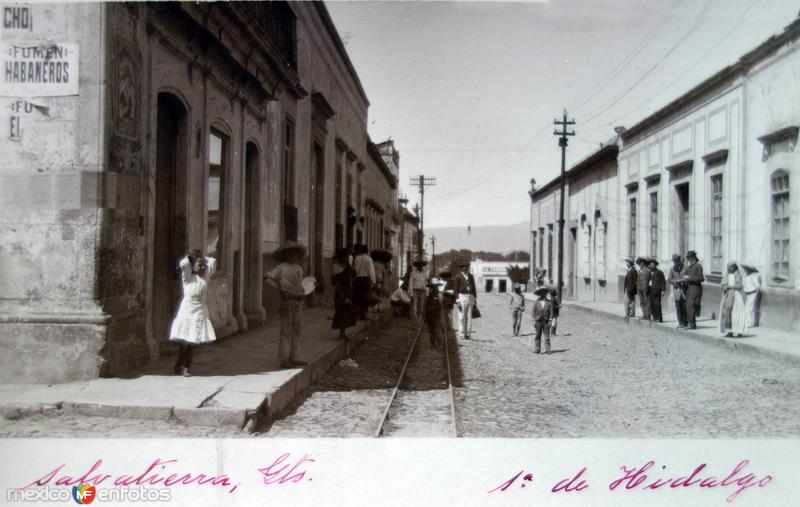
(643,287)
(466,296)
(542,315)
(287,278)
(418,282)
(629,290)
(694,278)
(658,284)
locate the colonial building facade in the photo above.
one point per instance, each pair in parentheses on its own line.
(713,171)
(228,127)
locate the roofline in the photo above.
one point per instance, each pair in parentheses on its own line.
(740,67)
(606,151)
(378,158)
(337,41)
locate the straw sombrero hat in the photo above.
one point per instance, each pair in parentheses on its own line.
(290,246)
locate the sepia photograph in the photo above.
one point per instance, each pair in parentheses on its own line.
(272,232)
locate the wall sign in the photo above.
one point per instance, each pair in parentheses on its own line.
(48,70)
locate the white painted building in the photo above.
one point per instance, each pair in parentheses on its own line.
(713,171)
(493,276)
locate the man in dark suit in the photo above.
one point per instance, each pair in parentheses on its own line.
(466,296)
(678,289)
(693,276)
(542,315)
(629,289)
(643,286)
(658,284)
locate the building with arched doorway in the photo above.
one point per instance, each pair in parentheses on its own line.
(227,127)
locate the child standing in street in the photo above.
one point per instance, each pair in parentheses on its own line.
(556,307)
(433,314)
(542,315)
(517,308)
(192,325)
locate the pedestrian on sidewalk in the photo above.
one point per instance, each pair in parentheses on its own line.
(542,315)
(344,314)
(433,313)
(732,318)
(678,290)
(693,277)
(517,308)
(643,286)
(752,294)
(658,285)
(466,297)
(418,281)
(191,325)
(629,290)
(556,305)
(364,281)
(287,278)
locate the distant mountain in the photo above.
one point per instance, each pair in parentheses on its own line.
(489,238)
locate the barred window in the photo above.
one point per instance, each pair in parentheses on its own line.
(716,223)
(550,252)
(632,227)
(780,226)
(216,195)
(288,163)
(654,224)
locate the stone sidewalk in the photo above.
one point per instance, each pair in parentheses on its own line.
(773,343)
(236,381)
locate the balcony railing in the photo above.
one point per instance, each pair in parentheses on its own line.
(278,21)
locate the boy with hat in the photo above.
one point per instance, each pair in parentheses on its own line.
(418,281)
(629,289)
(643,286)
(556,304)
(678,290)
(517,308)
(658,285)
(433,313)
(287,278)
(693,276)
(542,315)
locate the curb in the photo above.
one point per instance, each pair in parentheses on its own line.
(727,343)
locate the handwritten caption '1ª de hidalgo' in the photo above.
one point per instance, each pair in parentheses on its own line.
(642,477)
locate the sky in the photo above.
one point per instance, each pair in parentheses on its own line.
(469,90)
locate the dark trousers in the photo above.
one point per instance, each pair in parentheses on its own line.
(184,357)
(361,286)
(680,311)
(655,306)
(693,295)
(434,323)
(542,327)
(644,304)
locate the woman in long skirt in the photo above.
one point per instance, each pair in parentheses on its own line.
(732,319)
(752,294)
(192,325)
(344,314)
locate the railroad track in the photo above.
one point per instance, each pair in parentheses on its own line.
(422,403)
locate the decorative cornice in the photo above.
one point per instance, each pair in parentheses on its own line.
(780,134)
(342,145)
(716,156)
(322,107)
(683,165)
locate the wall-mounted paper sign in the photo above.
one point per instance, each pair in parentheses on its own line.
(46,70)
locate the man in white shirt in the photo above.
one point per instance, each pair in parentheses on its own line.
(419,284)
(365,279)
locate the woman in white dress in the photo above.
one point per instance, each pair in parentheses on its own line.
(192,325)
(732,319)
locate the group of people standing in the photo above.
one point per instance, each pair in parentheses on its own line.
(544,312)
(740,292)
(358,284)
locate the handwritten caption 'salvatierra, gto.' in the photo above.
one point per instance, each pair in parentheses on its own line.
(651,477)
(286,469)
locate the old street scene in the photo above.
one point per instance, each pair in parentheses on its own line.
(359,219)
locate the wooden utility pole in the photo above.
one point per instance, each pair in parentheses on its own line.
(422,182)
(433,255)
(562,142)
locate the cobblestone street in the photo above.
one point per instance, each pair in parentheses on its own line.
(608,379)
(603,379)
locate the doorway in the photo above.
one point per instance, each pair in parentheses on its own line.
(318,231)
(572,278)
(682,216)
(252,234)
(501,286)
(489,285)
(169,235)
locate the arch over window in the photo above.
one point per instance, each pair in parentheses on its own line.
(781,226)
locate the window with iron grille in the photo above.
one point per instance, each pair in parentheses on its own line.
(654,224)
(780,226)
(288,163)
(550,252)
(217,156)
(716,224)
(632,227)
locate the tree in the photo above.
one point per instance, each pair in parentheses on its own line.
(517,274)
